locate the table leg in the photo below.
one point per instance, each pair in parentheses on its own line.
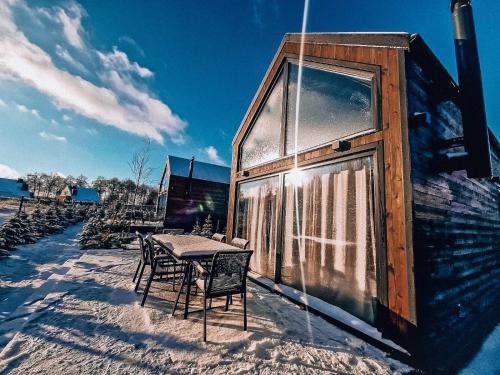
(188,288)
(186,269)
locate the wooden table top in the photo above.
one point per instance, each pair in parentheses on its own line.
(190,247)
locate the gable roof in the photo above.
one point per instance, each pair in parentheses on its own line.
(10,188)
(201,171)
(85,195)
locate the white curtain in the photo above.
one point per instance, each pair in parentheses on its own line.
(340,181)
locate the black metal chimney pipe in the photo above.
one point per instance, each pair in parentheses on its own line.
(475,129)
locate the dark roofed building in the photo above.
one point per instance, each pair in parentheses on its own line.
(190,189)
(10,188)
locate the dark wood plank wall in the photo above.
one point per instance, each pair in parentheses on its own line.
(206,198)
(456,230)
(398,244)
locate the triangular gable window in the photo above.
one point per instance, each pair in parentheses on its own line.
(262,143)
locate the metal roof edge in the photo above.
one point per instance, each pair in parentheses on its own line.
(366,39)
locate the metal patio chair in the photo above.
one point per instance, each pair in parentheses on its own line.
(161,264)
(227,276)
(143,261)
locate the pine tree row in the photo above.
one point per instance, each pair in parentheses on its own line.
(106,229)
(26,228)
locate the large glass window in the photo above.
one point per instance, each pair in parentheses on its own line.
(331,106)
(328,239)
(256,221)
(263,142)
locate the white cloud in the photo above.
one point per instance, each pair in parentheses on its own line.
(2,103)
(66,118)
(91,131)
(54,122)
(23,109)
(71,19)
(118,60)
(8,172)
(140,114)
(52,137)
(65,55)
(128,40)
(213,155)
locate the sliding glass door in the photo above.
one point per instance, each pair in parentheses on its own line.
(328,234)
(256,221)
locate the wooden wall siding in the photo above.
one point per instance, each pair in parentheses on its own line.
(182,211)
(456,232)
(400,282)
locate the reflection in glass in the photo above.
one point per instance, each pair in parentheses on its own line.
(262,143)
(329,234)
(256,222)
(332,106)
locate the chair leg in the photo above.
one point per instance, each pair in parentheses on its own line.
(140,277)
(204,318)
(244,311)
(137,270)
(148,285)
(227,303)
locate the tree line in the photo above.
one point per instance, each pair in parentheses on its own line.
(135,192)
(110,190)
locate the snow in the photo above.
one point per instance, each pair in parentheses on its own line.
(6,213)
(85,318)
(328,310)
(486,361)
(30,265)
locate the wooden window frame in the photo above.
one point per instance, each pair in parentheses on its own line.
(374,150)
(347,68)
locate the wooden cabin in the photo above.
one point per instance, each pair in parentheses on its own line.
(344,182)
(79,194)
(191,190)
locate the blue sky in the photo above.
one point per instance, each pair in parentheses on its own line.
(82,83)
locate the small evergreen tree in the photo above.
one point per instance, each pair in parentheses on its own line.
(207,229)
(196,228)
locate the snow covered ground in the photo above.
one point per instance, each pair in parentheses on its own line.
(487,360)
(29,266)
(6,213)
(90,321)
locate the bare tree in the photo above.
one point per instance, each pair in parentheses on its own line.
(139,166)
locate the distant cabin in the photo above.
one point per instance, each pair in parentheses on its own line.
(17,189)
(191,189)
(78,194)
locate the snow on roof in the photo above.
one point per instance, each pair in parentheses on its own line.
(201,170)
(10,188)
(85,195)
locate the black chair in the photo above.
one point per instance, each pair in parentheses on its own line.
(162,264)
(143,261)
(227,276)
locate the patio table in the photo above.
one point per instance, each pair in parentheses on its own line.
(190,248)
